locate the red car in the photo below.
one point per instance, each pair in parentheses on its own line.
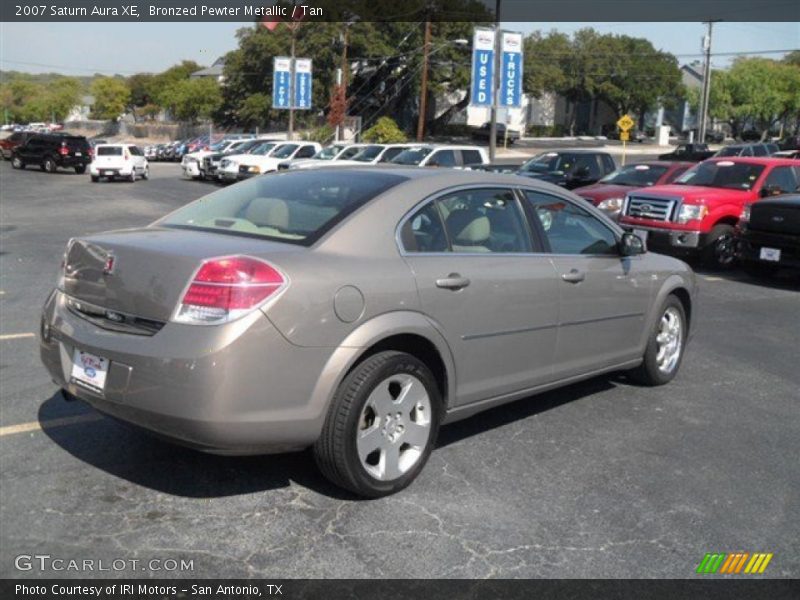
(17,138)
(697,214)
(608,194)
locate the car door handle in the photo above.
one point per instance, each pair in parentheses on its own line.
(574,276)
(454,281)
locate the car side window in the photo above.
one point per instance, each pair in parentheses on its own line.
(424,231)
(484,220)
(783,179)
(443,158)
(570,229)
(306,152)
(760,150)
(471,157)
(586,166)
(134,150)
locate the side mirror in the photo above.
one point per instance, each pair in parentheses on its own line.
(770,190)
(631,245)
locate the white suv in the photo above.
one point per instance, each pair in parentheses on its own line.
(118,161)
(192,163)
(432,155)
(258,164)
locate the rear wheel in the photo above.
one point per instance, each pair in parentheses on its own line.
(49,165)
(95,179)
(80,170)
(17,163)
(720,251)
(381,426)
(664,351)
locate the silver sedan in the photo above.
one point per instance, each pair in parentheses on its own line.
(355,311)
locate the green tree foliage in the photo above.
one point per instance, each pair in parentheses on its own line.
(111,96)
(25,100)
(192,100)
(628,73)
(385,131)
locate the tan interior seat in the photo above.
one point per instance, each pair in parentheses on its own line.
(268,212)
(469,231)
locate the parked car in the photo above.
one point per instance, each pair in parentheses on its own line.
(786,154)
(211,162)
(697,214)
(119,161)
(53,150)
(192,162)
(747,150)
(324,157)
(356,310)
(431,155)
(688,152)
(8,144)
(372,154)
(503,133)
(496,167)
(791,142)
(228,170)
(258,164)
(568,168)
(608,194)
(769,234)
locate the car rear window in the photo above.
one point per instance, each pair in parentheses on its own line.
(293,207)
(109,151)
(76,143)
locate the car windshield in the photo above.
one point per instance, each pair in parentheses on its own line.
(247,146)
(729,151)
(109,151)
(327,153)
(722,174)
(263,149)
(549,161)
(285,151)
(349,152)
(368,154)
(636,175)
(412,156)
(219,146)
(294,207)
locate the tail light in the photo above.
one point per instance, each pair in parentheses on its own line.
(745,216)
(63,151)
(226,288)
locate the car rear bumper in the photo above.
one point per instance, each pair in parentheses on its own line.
(228,389)
(110,171)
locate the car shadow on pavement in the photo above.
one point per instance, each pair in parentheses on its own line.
(132,454)
(782,280)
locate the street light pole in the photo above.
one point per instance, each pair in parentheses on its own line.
(701,133)
(423,92)
(495,84)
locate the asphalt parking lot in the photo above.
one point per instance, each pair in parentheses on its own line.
(600,479)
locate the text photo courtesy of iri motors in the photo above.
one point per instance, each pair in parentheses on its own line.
(311,299)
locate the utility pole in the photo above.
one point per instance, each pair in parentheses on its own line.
(498,48)
(701,133)
(423,91)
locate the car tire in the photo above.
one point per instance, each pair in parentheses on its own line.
(17,163)
(132,176)
(390,401)
(146,173)
(720,249)
(80,170)
(95,179)
(657,368)
(49,165)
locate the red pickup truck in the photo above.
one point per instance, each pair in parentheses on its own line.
(697,214)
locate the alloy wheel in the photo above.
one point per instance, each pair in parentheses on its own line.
(669,340)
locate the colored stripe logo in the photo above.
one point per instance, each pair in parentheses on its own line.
(734,563)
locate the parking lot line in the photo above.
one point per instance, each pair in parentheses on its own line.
(16,336)
(49,424)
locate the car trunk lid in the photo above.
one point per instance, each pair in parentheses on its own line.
(144,272)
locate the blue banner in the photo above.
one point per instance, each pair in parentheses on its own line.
(302,83)
(281,82)
(511,71)
(482,67)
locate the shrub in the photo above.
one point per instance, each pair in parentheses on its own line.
(323,134)
(385,131)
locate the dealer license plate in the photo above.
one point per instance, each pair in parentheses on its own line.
(89,370)
(770,254)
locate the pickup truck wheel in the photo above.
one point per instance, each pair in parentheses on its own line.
(664,352)
(17,163)
(381,426)
(720,251)
(80,170)
(49,165)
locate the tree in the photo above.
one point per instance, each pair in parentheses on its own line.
(111,96)
(385,131)
(191,100)
(143,91)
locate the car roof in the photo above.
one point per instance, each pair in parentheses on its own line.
(757,160)
(573,151)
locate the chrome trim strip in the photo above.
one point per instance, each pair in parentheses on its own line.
(478,336)
(598,320)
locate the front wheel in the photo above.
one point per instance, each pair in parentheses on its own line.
(146,173)
(381,426)
(132,176)
(720,251)
(17,163)
(665,346)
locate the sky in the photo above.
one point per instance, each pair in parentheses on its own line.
(127,48)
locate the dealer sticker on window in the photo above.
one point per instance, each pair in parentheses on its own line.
(89,370)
